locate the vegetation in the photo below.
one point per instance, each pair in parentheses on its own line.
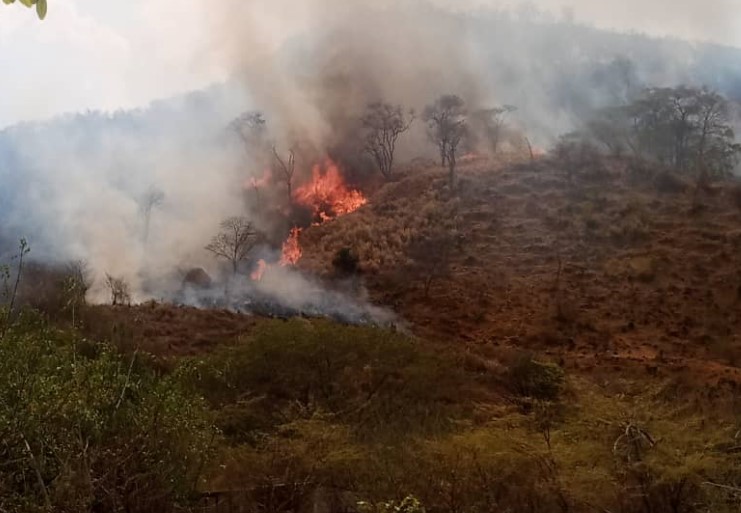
(86,429)
(383,124)
(235,241)
(446,127)
(41,6)
(688,129)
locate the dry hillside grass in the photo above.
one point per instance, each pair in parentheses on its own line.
(617,267)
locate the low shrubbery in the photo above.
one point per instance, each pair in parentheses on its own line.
(85,429)
(378,381)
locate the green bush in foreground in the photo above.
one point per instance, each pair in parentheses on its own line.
(85,429)
(379,381)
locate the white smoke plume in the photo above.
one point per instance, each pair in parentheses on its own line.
(74,186)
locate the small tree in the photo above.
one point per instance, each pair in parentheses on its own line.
(119,289)
(446,127)
(493,122)
(152,198)
(251,128)
(287,170)
(383,124)
(235,241)
(75,285)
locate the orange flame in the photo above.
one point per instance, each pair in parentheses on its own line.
(257,274)
(328,197)
(327,194)
(291,249)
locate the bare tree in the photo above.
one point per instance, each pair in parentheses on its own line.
(119,289)
(76,284)
(493,122)
(235,241)
(251,129)
(446,123)
(287,169)
(383,124)
(152,198)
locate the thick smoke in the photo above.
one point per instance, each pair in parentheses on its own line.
(74,186)
(313,67)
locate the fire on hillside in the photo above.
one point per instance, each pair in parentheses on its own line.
(326,195)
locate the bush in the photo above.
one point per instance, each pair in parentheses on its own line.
(83,429)
(345,262)
(379,380)
(537,380)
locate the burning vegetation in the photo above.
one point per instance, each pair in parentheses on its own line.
(559,329)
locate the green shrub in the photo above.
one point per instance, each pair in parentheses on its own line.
(537,380)
(85,429)
(379,380)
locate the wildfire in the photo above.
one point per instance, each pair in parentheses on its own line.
(327,194)
(257,274)
(291,249)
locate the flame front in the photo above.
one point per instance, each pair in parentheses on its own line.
(327,195)
(291,249)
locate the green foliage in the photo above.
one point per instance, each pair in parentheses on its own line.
(537,380)
(379,380)
(84,429)
(688,129)
(41,6)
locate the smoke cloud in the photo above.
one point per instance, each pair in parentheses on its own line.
(74,186)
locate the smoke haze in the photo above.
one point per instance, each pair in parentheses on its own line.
(74,186)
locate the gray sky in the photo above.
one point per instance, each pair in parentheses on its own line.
(110,54)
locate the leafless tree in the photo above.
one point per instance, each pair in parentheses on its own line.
(286,169)
(383,124)
(119,289)
(493,122)
(235,241)
(152,198)
(76,284)
(446,123)
(251,129)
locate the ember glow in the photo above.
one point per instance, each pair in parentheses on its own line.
(327,193)
(291,249)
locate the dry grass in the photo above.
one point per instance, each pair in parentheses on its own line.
(636,269)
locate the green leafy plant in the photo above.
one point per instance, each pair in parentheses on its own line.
(41,6)
(86,429)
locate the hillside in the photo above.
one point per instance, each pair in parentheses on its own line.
(582,313)
(623,269)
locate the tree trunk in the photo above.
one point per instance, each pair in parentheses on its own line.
(451,170)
